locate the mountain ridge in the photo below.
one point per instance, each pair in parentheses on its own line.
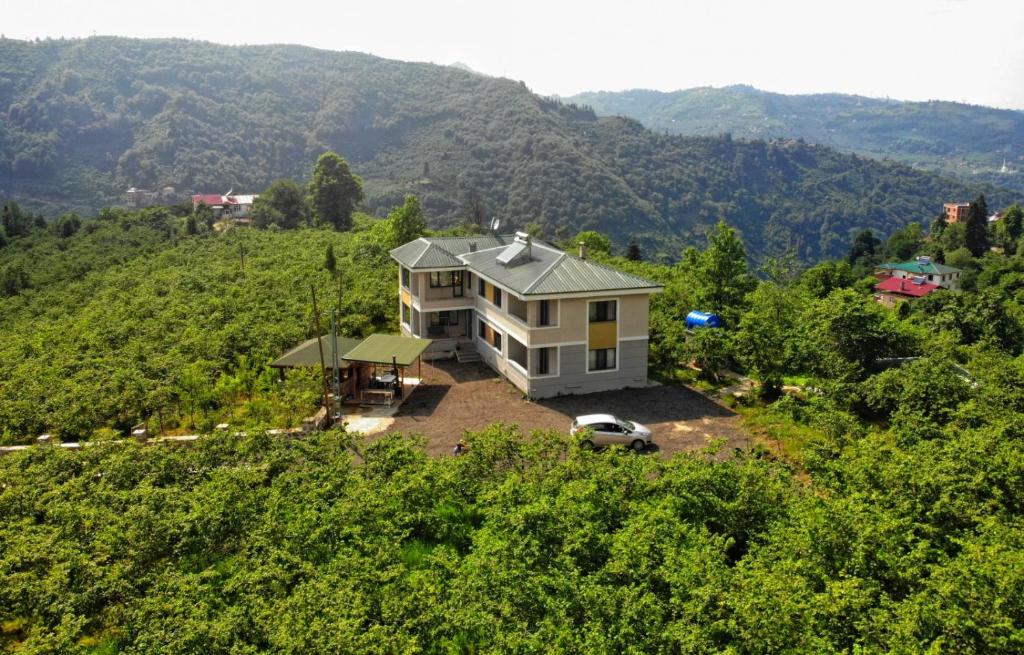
(82,120)
(966,141)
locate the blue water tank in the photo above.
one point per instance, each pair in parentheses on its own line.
(697,319)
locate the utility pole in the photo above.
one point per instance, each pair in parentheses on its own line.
(335,365)
(320,344)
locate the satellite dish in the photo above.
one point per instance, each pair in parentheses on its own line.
(495,224)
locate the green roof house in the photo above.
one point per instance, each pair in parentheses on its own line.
(924,269)
(551,322)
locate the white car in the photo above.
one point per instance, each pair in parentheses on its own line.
(606,430)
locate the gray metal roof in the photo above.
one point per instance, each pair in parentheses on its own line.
(443,252)
(575,275)
(548,271)
(551,271)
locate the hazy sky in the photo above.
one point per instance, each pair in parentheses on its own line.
(966,50)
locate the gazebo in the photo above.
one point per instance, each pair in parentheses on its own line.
(372,370)
(396,354)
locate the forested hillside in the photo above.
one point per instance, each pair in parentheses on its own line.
(963,141)
(131,319)
(81,121)
(879,510)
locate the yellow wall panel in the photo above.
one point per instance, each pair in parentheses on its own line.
(603,335)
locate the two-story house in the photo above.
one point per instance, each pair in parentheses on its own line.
(940,275)
(551,322)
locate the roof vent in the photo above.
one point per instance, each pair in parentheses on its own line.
(472,246)
(583,249)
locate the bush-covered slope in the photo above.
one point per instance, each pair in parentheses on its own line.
(80,121)
(964,141)
(130,320)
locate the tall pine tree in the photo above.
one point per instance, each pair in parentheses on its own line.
(976,236)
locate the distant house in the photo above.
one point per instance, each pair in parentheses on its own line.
(893,290)
(229,205)
(551,322)
(138,198)
(956,211)
(941,275)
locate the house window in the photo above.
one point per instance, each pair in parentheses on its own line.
(602,311)
(405,313)
(497,297)
(482,330)
(544,317)
(444,318)
(490,335)
(601,360)
(481,287)
(543,363)
(405,277)
(442,279)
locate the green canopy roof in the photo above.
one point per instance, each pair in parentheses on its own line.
(308,354)
(385,348)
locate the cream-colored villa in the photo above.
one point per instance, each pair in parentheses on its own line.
(551,322)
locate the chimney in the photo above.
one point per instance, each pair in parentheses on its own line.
(583,249)
(472,246)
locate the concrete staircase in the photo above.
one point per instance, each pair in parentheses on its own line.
(465,355)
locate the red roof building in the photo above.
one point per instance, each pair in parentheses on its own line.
(208,199)
(894,289)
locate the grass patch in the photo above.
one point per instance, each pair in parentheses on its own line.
(414,553)
(781,435)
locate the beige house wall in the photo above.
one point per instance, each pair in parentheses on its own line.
(572,324)
(633,315)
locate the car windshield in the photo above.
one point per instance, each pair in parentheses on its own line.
(626,424)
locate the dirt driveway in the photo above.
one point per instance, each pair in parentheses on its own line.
(457,397)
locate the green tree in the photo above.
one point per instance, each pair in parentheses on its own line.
(709,349)
(15,223)
(864,249)
(939,225)
(904,243)
(13,279)
(824,278)
(203,214)
(960,258)
(976,227)
(723,280)
(843,334)
(330,263)
(68,225)
(406,223)
(762,342)
(596,242)
(190,225)
(633,251)
(334,191)
(283,204)
(1013,221)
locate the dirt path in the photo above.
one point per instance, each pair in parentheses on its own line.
(458,397)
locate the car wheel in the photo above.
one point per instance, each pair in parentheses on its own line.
(587,444)
(639,445)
